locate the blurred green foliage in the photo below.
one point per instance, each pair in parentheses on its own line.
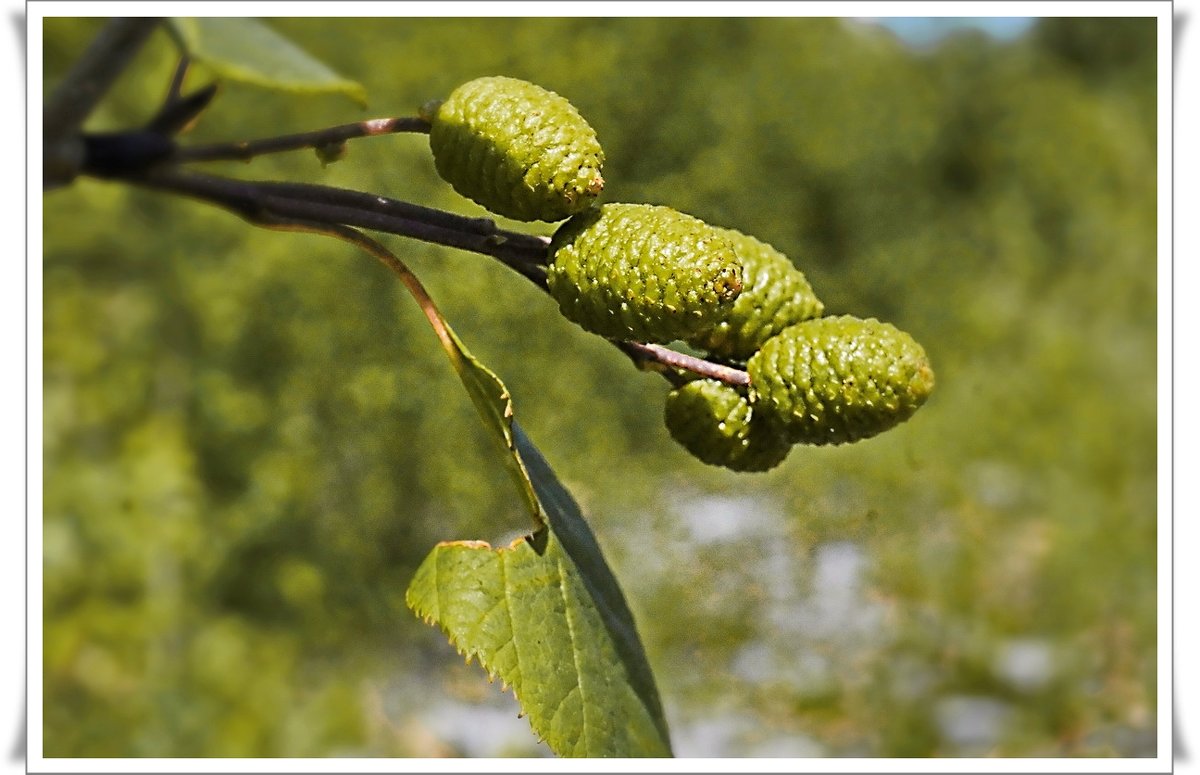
(252,438)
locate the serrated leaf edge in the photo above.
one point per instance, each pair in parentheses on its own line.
(491,671)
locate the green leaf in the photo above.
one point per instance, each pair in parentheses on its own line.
(246,50)
(530,615)
(614,654)
(544,614)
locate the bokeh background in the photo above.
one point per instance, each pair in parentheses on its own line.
(251,438)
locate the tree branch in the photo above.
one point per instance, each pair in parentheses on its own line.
(672,359)
(320,138)
(150,159)
(179,111)
(330,210)
(81,90)
(312,204)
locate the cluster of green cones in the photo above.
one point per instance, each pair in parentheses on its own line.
(648,273)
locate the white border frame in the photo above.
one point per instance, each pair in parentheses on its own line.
(38,10)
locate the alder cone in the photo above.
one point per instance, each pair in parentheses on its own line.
(517,149)
(642,272)
(775,295)
(716,424)
(839,379)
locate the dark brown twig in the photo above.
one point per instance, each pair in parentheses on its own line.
(258,200)
(175,88)
(247,149)
(333,211)
(179,111)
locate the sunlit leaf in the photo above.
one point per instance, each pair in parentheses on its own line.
(247,50)
(544,614)
(532,618)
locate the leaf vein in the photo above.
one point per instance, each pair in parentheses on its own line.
(518,672)
(583,699)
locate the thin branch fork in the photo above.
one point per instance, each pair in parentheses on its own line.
(149,158)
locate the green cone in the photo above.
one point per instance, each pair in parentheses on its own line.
(839,379)
(642,272)
(716,424)
(517,149)
(776,295)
